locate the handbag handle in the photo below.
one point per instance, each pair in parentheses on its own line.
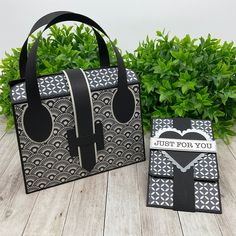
(37,119)
(102,47)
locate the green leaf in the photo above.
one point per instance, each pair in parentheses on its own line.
(184,77)
(185,88)
(187,77)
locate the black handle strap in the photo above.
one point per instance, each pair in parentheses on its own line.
(102,47)
(87,137)
(123,104)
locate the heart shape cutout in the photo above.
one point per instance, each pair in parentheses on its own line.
(183,160)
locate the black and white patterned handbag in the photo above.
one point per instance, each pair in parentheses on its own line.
(75,123)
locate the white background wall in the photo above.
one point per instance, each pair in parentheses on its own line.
(127,20)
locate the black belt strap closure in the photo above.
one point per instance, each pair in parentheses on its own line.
(87,137)
(184,198)
(74,141)
(183,190)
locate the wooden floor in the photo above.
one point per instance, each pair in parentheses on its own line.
(108,204)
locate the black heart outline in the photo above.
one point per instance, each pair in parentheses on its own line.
(183,160)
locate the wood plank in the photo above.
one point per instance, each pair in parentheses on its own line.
(227,167)
(15,205)
(9,182)
(232,146)
(3,122)
(87,207)
(154,221)
(17,212)
(126,212)
(52,203)
(8,149)
(199,224)
(122,210)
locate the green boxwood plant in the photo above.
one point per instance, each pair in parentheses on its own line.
(179,77)
(187,77)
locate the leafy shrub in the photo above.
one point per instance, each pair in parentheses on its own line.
(187,78)
(63,48)
(179,77)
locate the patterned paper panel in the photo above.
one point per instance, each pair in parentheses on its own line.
(56,85)
(206,168)
(207,196)
(49,163)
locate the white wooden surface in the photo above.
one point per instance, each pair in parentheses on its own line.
(112,203)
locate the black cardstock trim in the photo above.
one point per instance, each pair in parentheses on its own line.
(183,199)
(183,190)
(19,149)
(103,51)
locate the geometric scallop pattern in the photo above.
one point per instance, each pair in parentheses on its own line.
(161,171)
(49,163)
(207,195)
(56,85)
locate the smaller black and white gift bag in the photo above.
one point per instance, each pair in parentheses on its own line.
(183,169)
